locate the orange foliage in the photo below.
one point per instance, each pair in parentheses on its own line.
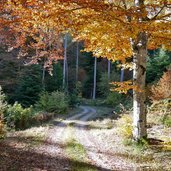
(163,88)
(109,28)
(105,26)
(124,87)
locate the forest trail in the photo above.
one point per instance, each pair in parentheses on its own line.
(69,144)
(97,151)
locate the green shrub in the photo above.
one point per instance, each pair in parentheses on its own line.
(166,120)
(160,112)
(17,117)
(114,99)
(74,100)
(53,102)
(3,103)
(3,106)
(125,127)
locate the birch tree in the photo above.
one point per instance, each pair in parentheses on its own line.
(77,60)
(109,69)
(65,62)
(94,80)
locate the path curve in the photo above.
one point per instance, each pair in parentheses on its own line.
(96,151)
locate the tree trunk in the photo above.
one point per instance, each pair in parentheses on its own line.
(139,97)
(77,56)
(109,69)
(95,73)
(122,75)
(66,89)
(65,61)
(43,75)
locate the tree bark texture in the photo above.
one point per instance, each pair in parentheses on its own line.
(65,62)
(109,69)
(77,58)
(95,74)
(139,97)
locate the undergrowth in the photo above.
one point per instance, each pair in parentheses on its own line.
(77,153)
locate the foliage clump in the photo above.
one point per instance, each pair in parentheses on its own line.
(162,90)
(3,106)
(161,98)
(125,127)
(114,98)
(18,117)
(29,86)
(160,112)
(53,102)
(157,63)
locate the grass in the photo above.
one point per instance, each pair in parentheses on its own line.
(77,153)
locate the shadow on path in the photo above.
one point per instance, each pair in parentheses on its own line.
(20,159)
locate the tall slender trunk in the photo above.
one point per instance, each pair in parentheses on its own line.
(139,46)
(65,62)
(43,75)
(77,57)
(122,75)
(109,69)
(139,97)
(66,89)
(95,74)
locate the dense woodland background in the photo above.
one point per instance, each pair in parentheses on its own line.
(24,83)
(30,85)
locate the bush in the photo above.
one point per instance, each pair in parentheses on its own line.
(160,112)
(125,127)
(3,106)
(2,129)
(166,120)
(114,99)
(53,102)
(74,100)
(17,117)
(162,90)
(40,117)
(3,103)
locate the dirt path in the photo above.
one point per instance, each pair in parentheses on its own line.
(37,149)
(98,152)
(44,148)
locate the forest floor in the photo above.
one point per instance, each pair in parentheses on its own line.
(85,140)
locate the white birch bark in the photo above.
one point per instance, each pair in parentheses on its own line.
(43,75)
(122,75)
(109,70)
(139,47)
(95,75)
(65,61)
(77,58)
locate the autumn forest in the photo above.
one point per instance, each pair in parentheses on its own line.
(85,85)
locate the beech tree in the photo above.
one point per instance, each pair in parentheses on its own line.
(114,29)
